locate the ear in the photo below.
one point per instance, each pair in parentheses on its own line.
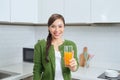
(48,29)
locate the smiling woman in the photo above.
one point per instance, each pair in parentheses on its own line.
(49,54)
(57,29)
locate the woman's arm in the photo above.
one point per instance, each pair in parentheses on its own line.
(37,70)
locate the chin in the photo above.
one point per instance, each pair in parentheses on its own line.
(57,37)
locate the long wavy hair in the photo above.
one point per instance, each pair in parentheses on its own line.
(52,18)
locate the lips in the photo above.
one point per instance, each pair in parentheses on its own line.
(57,34)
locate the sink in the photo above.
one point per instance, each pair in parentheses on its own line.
(6,74)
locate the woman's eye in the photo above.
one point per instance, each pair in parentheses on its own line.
(60,26)
(53,26)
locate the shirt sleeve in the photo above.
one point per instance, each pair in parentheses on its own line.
(37,69)
(75,54)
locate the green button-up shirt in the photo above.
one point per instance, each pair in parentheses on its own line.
(46,70)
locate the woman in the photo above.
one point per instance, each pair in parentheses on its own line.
(48,54)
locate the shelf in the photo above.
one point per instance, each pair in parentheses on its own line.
(43,24)
(67,24)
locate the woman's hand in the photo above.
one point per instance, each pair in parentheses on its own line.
(73,64)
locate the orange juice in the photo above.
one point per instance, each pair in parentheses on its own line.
(67,57)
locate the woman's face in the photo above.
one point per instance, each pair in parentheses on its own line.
(56,29)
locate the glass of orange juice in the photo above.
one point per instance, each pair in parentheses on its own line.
(68,54)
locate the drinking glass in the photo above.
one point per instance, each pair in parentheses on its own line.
(68,54)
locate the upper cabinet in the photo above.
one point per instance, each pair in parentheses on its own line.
(77,11)
(48,7)
(74,11)
(4,10)
(105,11)
(24,11)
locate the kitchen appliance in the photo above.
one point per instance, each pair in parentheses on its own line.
(110,75)
(28,54)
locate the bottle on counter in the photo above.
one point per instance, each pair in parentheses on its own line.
(84,56)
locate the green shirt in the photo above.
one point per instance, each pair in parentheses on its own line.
(46,70)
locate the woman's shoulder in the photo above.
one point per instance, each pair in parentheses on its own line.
(41,42)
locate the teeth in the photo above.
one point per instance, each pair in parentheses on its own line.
(56,34)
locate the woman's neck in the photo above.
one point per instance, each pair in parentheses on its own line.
(57,43)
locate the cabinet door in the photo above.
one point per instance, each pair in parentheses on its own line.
(48,7)
(4,10)
(77,11)
(105,11)
(24,11)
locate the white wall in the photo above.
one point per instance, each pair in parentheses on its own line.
(102,41)
(12,39)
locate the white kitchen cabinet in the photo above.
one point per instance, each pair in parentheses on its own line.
(4,10)
(24,11)
(77,11)
(48,7)
(105,11)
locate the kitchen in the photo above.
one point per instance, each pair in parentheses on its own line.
(99,33)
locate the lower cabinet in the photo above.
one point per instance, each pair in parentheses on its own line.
(28,78)
(31,78)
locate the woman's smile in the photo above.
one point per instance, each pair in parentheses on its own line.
(57,29)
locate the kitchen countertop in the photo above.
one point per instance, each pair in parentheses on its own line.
(26,69)
(91,73)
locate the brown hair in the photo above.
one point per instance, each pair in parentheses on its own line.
(52,18)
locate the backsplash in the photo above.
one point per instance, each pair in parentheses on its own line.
(102,40)
(12,39)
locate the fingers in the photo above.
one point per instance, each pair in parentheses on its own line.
(73,53)
(73,65)
(73,62)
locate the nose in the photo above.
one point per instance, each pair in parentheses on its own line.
(56,29)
